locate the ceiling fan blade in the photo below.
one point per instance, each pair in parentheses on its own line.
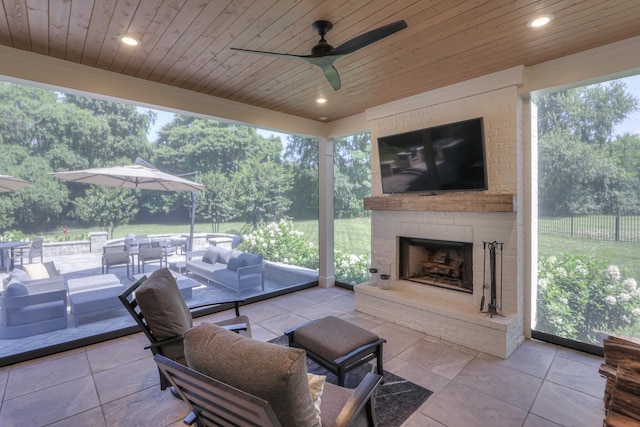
(278,55)
(366,39)
(332,76)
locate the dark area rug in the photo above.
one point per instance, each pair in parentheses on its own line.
(396,398)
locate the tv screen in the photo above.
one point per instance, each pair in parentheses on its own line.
(442,158)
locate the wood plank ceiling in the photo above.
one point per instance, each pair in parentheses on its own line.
(185,43)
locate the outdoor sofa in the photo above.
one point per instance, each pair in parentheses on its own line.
(33,301)
(233,269)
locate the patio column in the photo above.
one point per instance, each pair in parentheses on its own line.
(325,215)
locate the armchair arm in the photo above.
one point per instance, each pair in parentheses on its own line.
(249,269)
(361,399)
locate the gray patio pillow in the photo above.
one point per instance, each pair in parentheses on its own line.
(19,275)
(210,257)
(235,263)
(163,306)
(15,288)
(275,373)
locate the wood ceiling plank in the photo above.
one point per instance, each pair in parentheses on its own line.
(152,34)
(140,23)
(38,15)
(97,31)
(190,37)
(59,14)
(5,34)
(121,19)
(79,26)
(182,20)
(207,47)
(18,24)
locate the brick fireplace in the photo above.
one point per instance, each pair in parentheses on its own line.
(452,312)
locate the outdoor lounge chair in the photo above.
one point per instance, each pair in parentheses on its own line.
(159,309)
(234,380)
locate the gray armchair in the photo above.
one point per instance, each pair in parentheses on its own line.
(234,380)
(150,254)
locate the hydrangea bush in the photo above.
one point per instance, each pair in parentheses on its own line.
(580,298)
(280,242)
(350,268)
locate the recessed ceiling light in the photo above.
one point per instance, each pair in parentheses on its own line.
(540,21)
(128,40)
(321,100)
(323,118)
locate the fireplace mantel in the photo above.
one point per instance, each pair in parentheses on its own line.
(447,202)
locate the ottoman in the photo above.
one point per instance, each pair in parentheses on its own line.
(337,345)
(94,294)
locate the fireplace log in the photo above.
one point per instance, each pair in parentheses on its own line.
(622,389)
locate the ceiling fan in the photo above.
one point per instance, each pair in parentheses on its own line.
(323,54)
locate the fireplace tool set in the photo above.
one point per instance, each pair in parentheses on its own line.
(493,307)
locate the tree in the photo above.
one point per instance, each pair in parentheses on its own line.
(301,157)
(581,178)
(352,176)
(582,168)
(259,191)
(107,207)
(214,203)
(589,113)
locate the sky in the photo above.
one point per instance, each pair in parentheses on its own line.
(630,125)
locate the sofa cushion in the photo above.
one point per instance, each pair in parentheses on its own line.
(36,271)
(275,373)
(250,259)
(163,306)
(15,288)
(210,257)
(235,263)
(20,275)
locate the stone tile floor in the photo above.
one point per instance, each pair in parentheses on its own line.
(115,383)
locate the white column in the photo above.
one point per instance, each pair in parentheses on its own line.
(325,214)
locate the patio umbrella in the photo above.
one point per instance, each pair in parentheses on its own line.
(132,176)
(135,176)
(10,183)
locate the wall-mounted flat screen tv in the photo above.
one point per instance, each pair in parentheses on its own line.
(442,158)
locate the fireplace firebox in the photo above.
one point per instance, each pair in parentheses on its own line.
(438,263)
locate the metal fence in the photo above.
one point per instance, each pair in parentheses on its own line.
(619,228)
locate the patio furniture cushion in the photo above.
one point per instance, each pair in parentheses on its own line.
(269,371)
(210,257)
(163,306)
(235,263)
(36,271)
(20,275)
(15,288)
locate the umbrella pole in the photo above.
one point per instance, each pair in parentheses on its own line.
(193,213)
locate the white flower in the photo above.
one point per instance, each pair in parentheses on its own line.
(542,283)
(630,283)
(610,300)
(613,272)
(636,312)
(564,300)
(561,272)
(624,297)
(552,259)
(581,270)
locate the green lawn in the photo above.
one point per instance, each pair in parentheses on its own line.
(624,255)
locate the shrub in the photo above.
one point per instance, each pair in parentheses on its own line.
(350,268)
(579,298)
(279,242)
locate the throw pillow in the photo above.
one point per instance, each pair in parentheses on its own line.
(163,306)
(234,264)
(36,271)
(269,371)
(15,289)
(210,257)
(316,385)
(19,275)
